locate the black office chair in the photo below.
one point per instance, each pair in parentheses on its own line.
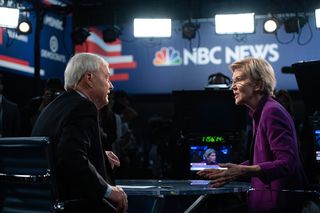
(26,175)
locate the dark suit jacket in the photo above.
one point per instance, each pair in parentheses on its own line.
(82,171)
(10,118)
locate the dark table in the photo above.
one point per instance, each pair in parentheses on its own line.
(156,193)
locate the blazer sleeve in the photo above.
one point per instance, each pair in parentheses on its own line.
(280,133)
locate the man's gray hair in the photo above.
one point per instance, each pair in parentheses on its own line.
(80,64)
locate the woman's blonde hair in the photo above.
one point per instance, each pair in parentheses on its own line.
(258,70)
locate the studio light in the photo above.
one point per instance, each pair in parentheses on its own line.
(79,35)
(189,30)
(24,27)
(234,23)
(151,28)
(270,25)
(317,15)
(294,24)
(111,34)
(9,17)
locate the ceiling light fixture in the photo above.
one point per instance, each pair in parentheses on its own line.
(317,15)
(189,30)
(111,34)
(143,27)
(270,25)
(234,23)
(79,35)
(294,24)
(9,17)
(24,26)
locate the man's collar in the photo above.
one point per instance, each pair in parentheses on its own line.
(80,93)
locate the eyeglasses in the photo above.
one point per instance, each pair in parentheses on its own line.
(239,81)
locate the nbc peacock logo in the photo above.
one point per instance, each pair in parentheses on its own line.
(167,56)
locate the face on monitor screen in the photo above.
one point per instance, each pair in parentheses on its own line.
(208,156)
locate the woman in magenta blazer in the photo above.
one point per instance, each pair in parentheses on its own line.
(274,165)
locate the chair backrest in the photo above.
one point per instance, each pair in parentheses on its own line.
(26,175)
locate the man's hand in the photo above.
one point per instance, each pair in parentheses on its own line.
(113,159)
(119,198)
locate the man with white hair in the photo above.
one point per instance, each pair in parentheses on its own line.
(83,174)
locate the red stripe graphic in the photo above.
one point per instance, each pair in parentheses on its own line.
(124,65)
(94,48)
(46,2)
(96,31)
(14,60)
(120,77)
(100,34)
(1,39)
(80,48)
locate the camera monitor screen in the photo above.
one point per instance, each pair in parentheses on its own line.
(209,156)
(317,144)
(307,76)
(208,111)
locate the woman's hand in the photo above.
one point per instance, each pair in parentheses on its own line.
(220,177)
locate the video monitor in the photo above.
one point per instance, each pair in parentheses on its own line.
(209,156)
(317,144)
(208,111)
(307,76)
